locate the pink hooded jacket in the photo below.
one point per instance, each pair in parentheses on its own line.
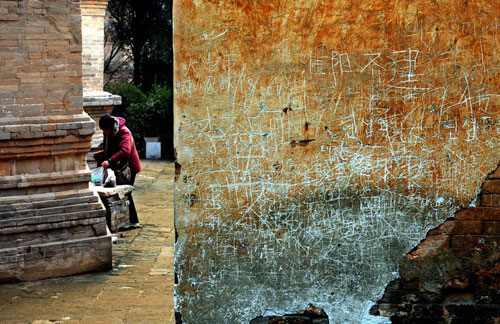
(121,147)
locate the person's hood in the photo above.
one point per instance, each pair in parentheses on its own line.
(121,122)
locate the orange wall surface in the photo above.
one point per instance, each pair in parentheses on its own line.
(319,141)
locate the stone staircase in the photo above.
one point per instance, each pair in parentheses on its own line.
(38,229)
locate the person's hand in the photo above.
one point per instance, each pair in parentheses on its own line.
(105,164)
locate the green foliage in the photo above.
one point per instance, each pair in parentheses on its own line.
(147,114)
(149,118)
(129,93)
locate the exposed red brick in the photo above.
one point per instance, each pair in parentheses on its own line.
(490,200)
(467,227)
(491,227)
(445,228)
(472,241)
(464,241)
(491,186)
(462,280)
(488,278)
(478,213)
(431,245)
(458,227)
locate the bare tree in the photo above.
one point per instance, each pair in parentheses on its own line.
(139,33)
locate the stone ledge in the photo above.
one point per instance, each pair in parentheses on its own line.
(41,120)
(98,98)
(11,201)
(29,224)
(38,131)
(13,186)
(40,212)
(20,153)
(21,181)
(120,190)
(47,231)
(45,234)
(65,244)
(34,208)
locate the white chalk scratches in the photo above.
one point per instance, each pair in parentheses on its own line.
(318,169)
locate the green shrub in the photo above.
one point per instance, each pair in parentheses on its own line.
(147,115)
(129,93)
(149,118)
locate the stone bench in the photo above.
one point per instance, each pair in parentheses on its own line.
(116,203)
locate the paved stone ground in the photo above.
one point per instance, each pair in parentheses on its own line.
(139,289)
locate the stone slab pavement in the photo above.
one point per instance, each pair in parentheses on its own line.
(139,288)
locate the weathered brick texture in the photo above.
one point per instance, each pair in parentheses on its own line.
(51,223)
(453,275)
(93,12)
(116,203)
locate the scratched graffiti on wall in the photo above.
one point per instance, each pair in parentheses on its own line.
(318,144)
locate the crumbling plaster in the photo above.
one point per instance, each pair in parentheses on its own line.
(319,141)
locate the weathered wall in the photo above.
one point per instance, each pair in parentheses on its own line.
(453,275)
(51,223)
(319,141)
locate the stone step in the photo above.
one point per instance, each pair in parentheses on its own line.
(82,228)
(37,223)
(7,202)
(43,177)
(37,259)
(52,209)
(47,203)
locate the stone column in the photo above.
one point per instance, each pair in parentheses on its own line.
(93,12)
(96,102)
(51,223)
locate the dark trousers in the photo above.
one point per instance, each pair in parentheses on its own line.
(131,207)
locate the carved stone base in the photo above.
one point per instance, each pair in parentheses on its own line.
(52,234)
(51,223)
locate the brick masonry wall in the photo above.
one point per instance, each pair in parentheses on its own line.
(453,275)
(41,58)
(93,12)
(117,209)
(51,223)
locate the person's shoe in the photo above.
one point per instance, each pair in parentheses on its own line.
(134,225)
